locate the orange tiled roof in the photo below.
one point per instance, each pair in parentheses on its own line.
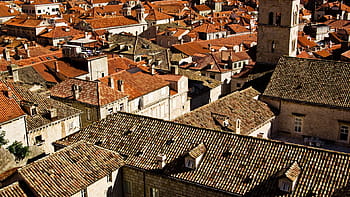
(303,41)
(91,92)
(208,28)
(117,64)
(237,28)
(202,7)
(99,23)
(6,11)
(155,15)
(9,108)
(137,84)
(58,32)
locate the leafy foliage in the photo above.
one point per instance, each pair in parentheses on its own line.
(17,149)
(3,141)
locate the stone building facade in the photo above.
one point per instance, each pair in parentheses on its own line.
(277,30)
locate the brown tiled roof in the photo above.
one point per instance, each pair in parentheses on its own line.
(25,22)
(70,170)
(9,108)
(6,11)
(155,15)
(202,7)
(99,23)
(116,64)
(44,104)
(303,41)
(66,70)
(323,53)
(191,48)
(305,54)
(58,32)
(233,163)
(239,105)
(13,190)
(92,92)
(137,84)
(237,28)
(311,81)
(208,28)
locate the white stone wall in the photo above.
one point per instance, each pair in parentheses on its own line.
(133,29)
(52,132)
(264,130)
(114,107)
(49,9)
(318,121)
(215,93)
(15,130)
(100,187)
(98,67)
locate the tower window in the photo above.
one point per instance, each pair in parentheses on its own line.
(271,18)
(273,46)
(278,18)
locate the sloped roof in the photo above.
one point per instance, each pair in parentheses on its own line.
(70,170)
(235,164)
(21,94)
(9,108)
(99,23)
(137,84)
(238,105)
(13,190)
(155,15)
(91,92)
(318,82)
(6,11)
(58,32)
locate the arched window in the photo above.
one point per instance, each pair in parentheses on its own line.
(271,18)
(278,18)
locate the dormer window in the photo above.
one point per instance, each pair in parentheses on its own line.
(194,157)
(288,177)
(29,107)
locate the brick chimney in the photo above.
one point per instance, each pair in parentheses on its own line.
(161,161)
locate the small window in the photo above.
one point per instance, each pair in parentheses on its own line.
(109,177)
(273,46)
(102,74)
(212,76)
(344,133)
(88,114)
(271,18)
(33,111)
(298,123)
(154,192)
(39,140)
(278,18)
(285,186)
(127,187)
(189,163)
(121,107)
(110,110)
(238,85)
(39,11)
(83,192)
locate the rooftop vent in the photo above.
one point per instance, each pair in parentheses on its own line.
(287,177)
(161,161)
(53,113)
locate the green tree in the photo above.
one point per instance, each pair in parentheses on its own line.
(3,141)
(18,150)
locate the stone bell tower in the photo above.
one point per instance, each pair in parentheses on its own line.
(277,30)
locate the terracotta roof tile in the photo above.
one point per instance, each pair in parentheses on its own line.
(155,15)
(238,105)
(13,190)
(9,107)
(99,23)
(91,92)
(66,172)
(234,164)
(303,80)
(137,84)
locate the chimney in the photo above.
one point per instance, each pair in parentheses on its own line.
(120,85)
(111,82)
(175,70)
(28,52)
(153,70)
(238,126)
(75,91)
(7,54)
(161,161)
(56,67)
(52,113)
